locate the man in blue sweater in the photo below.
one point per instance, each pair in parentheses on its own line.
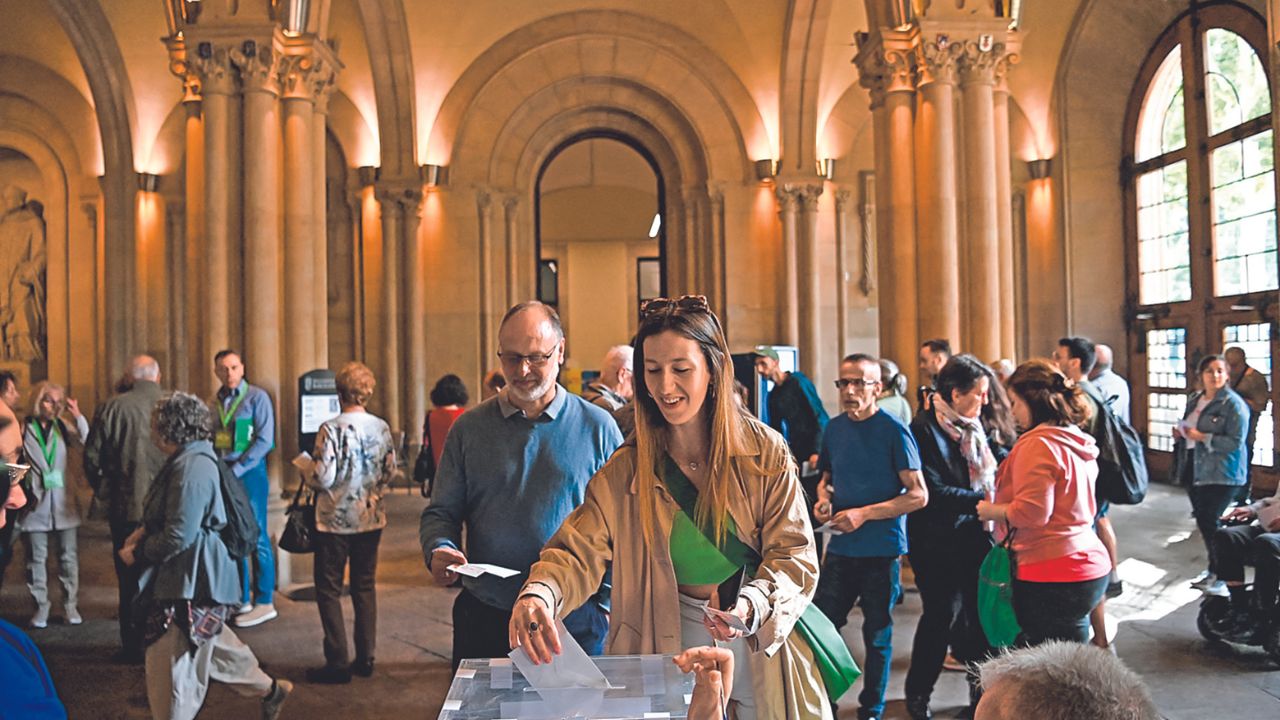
(512,469)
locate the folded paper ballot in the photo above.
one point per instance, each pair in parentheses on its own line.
(478,569)
(727,618)
(303,461)
(828,529)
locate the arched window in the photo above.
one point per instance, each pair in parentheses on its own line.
(1200,180)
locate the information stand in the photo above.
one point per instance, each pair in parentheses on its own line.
(641,687)
(317,402)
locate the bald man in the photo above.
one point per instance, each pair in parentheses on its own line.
(612,391)
(1113,388)
(120,461)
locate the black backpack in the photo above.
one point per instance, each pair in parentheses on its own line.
(240,534)
(1122,460)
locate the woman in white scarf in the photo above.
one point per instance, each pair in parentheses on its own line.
(961,441)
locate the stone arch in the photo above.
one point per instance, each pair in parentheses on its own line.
(70,303)
(23,78)
(387,37)
(605,43)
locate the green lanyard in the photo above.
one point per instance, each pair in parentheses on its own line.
(230,413)
(50,451)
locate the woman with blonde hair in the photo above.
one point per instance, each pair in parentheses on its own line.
(57,511)
(694,450)
(355,461)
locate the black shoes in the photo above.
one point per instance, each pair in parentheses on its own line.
(363,668)
(328,675)
(918,707)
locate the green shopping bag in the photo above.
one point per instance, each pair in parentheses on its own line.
(995,596)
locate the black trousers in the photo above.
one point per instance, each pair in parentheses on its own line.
(334,553)
(127,580)
(1056,610)
(947,576)
(1234,546)
(1208,502)
(480,630)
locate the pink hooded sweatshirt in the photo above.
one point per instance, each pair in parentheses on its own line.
(1048,483)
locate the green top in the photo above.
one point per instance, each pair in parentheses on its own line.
(697,560)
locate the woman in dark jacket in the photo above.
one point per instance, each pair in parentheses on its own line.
(190,583)
(959,452)
(1210,457)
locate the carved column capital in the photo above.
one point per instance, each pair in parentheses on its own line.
(509,203)
(788,198)
(208,71)
(843,198)
(978,60)
(259,64)
(484,199)
(936,60)
(809,195)
(715,194)
(404,196)
(306,76)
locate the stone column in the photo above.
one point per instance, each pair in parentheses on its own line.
(323,87)
(789,312)
(484,210)
(886,68)
(716,290)
(938,259)
(217,83)
(510,207)
(416,309)
(843,199)
(809,274)
(259,66)
(982,311)
(1009,307)
(301,234)
(194,299)
(389,200)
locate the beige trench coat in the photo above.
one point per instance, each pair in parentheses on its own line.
(771,517)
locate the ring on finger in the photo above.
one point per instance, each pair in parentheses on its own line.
(534,626)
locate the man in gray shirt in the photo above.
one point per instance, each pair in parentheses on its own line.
(512,469)
(120,461)
(1113,388)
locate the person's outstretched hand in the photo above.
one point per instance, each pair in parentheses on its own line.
(533,627)
(712,669)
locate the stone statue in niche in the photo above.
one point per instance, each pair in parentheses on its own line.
(22,277)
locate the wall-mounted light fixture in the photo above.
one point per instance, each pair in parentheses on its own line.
(148,182)
(180,14)
(367,175)
(766,169)
(827,168)
(434,176)
(1039,169)
(293,16)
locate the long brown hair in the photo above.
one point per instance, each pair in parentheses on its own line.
(1049,395)
(689,317)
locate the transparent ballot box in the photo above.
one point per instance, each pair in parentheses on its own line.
(640,687)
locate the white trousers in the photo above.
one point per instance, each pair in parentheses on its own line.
(178,677)
(694,634)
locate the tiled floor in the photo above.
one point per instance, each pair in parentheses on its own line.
(1155,635)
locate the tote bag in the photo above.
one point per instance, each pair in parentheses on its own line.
(995,596)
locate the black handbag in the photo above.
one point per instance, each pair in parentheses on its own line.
(424,468)
(299,532)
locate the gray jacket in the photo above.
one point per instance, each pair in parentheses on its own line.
(182,549)
(120,459)
(55,508)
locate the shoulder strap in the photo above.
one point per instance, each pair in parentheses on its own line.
(686,496)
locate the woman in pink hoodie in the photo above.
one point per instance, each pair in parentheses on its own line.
(1045,498)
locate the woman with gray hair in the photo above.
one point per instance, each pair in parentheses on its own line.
(893,393)
(191,585)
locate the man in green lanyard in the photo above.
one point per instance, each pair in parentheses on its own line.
(244,435)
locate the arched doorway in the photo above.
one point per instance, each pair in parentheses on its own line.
(600,237)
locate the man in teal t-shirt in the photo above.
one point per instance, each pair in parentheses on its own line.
(870,480)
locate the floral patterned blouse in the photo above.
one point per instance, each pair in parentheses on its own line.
(355,461)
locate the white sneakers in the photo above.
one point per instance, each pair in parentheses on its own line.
(73,615)
(1204,580)
(41,618)
(258,615)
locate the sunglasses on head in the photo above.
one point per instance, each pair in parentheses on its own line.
(684,303)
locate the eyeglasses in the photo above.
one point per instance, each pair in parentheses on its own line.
(688,303)
(856,384)
(535,360)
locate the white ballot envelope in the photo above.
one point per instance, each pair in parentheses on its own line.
(570,685)
(303,461)
(727,618)
(478,569)
(828,529)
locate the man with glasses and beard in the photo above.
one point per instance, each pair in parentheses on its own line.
(513,468)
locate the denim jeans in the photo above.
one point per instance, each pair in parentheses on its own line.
(1055,610)
(1208,502)
(258,573)
(872,583)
